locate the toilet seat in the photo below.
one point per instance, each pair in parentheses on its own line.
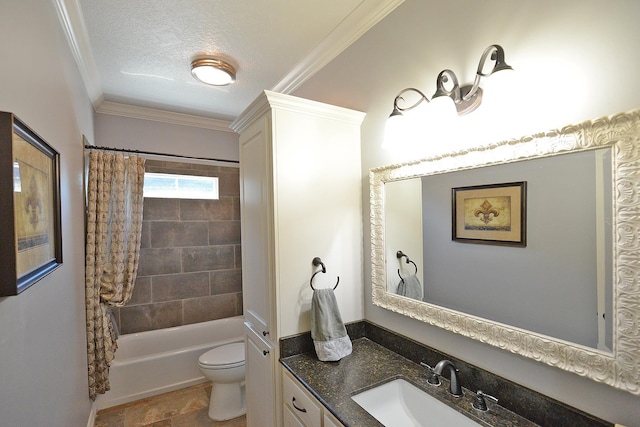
(224,357)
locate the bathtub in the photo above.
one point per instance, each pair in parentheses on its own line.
(154,362)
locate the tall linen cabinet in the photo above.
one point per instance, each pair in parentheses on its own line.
(300,198)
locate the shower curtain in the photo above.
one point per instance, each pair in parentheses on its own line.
(114,225)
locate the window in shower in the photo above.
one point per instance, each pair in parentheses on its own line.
(172,186)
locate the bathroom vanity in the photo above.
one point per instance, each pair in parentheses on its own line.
(370,365)
(315,390)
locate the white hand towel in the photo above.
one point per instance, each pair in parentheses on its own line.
(329,335)
(410,287)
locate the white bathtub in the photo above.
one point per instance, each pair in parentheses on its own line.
(154,362)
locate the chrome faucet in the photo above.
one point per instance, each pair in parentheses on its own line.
(454,383)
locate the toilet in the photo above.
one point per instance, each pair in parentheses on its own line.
(224,367)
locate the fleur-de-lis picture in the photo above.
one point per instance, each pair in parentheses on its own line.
(34,221)
(33,203)
(486,211)
(490,214)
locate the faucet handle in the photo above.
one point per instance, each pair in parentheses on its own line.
(433,378)
(479,403)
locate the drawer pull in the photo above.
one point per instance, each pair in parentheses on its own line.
(265,352)
(293,402)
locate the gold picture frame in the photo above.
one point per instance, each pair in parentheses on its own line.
(30,223)
(494,214)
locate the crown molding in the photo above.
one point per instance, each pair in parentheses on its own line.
(131,111)
(73,25)
(358,22)
(72,21)
(269,101)
(366,15)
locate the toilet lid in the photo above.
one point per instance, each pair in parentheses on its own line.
(227,356)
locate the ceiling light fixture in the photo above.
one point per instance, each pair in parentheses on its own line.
(466,98)
(213,71)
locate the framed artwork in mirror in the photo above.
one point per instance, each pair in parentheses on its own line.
(494,214)
(30,222)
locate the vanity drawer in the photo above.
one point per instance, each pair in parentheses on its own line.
(330,420)
(289,419)
(300,402)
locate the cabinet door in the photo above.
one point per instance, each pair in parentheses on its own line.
(300,402)
(330,420)
(290,420)
(256,212)
(259,380)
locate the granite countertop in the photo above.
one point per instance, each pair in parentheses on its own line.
(370,364)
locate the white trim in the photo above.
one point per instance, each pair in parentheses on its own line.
(93,414)
(366,15)
(269,101)
(125,110)
(72,21)
(358,22)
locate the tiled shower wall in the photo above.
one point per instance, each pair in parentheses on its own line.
(189,269)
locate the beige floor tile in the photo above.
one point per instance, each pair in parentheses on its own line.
(166,406)
(110,418)
(198,418)
(163,423)
(236,422)
(201,419)
(188,407)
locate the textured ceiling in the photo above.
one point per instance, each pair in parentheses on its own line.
(138,52)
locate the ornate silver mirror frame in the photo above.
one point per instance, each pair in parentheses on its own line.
(619,368)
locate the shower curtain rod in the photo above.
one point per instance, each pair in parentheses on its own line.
(151,153)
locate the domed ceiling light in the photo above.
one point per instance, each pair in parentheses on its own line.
(213,71)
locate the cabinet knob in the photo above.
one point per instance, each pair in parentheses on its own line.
(265,352)
(265,333)
(293,402)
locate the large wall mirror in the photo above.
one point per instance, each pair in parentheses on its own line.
(566,291)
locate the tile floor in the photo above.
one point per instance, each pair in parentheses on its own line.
(187,407)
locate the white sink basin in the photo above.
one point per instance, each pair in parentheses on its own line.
(400,403)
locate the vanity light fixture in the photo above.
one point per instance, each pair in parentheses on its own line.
(466,98)
(213,71)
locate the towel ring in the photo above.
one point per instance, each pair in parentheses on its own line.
(399,255)
(318,262)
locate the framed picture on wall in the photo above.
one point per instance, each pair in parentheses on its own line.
(494,214)
(30,225)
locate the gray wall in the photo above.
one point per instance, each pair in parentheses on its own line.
(549,286)
(563,54)
(190,258)
(160,137)
(43,361)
